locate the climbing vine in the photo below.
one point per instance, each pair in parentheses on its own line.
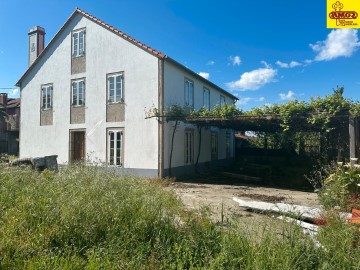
(324,117)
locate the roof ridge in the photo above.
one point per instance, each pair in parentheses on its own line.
(121,33)
(127,37)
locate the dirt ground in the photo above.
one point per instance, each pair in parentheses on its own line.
(219,199)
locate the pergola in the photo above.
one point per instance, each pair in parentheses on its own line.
(274,123)
(263,123)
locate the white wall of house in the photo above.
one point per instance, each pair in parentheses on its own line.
(174,78)
(105,53)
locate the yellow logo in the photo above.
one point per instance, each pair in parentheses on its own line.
(343,14)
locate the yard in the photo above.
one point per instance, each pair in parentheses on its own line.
(86,218)
(218,198)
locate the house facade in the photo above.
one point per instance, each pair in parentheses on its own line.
(85,95)
(9,124)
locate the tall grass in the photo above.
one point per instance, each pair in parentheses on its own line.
(87,218)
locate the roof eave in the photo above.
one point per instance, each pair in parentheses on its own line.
(18,84)
(121,34)
(169,59)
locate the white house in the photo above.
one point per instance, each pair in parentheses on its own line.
(84,96)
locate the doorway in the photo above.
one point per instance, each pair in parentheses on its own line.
(77,146)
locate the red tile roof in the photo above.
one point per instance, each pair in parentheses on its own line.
(122,34)
(126,37)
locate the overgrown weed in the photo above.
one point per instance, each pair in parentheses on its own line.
(88,218)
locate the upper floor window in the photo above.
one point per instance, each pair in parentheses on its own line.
(222,101)
(46,97)
(189,93)
(206,98)
(78,42)
(116,88)
(78,92)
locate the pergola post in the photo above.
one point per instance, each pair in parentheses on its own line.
(352,137)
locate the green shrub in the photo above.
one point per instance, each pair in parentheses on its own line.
(341,190)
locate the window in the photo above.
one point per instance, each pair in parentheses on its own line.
(78,93)
(228,144)
(206,98)
(78,40)
(214,146)
(222,101)
(189,93)
(115,146)
(189,147)
(46,97)
(116,88)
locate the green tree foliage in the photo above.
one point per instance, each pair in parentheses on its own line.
(300,120)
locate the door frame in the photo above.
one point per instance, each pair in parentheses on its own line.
(71,152)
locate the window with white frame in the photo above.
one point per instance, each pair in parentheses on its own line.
(189,147)
(189,93)
(115,147)
(78,93)
(46,97)
(206,98)
(222,101)
(116,88)
(78,43)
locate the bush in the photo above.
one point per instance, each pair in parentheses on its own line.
(341,189)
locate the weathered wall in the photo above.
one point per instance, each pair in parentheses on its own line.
(105,53)
(174,94)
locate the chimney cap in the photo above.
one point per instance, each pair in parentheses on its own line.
(36,29)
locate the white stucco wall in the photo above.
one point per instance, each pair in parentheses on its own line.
(174,94)
(105,53)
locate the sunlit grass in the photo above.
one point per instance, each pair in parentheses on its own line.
(87,218)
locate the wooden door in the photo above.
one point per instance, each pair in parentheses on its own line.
(77,146)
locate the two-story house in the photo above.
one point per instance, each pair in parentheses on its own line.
(84,96)
(9,124)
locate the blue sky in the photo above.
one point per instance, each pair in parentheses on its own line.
(264,52)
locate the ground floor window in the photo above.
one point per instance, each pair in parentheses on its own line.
(189,147)
(228,144)
(214,146)
(115,147)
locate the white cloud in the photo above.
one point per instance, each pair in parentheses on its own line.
(265,64)
(339,42)
(254,79)
(292,64)
(261,99)
(13,93)
(210,63)
(290,95)
(243,101)
(235,60)
(204,75)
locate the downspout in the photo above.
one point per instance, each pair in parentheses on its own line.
(198,156)
(161,120)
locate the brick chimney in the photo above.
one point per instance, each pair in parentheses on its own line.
(3,98)
(36,43)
